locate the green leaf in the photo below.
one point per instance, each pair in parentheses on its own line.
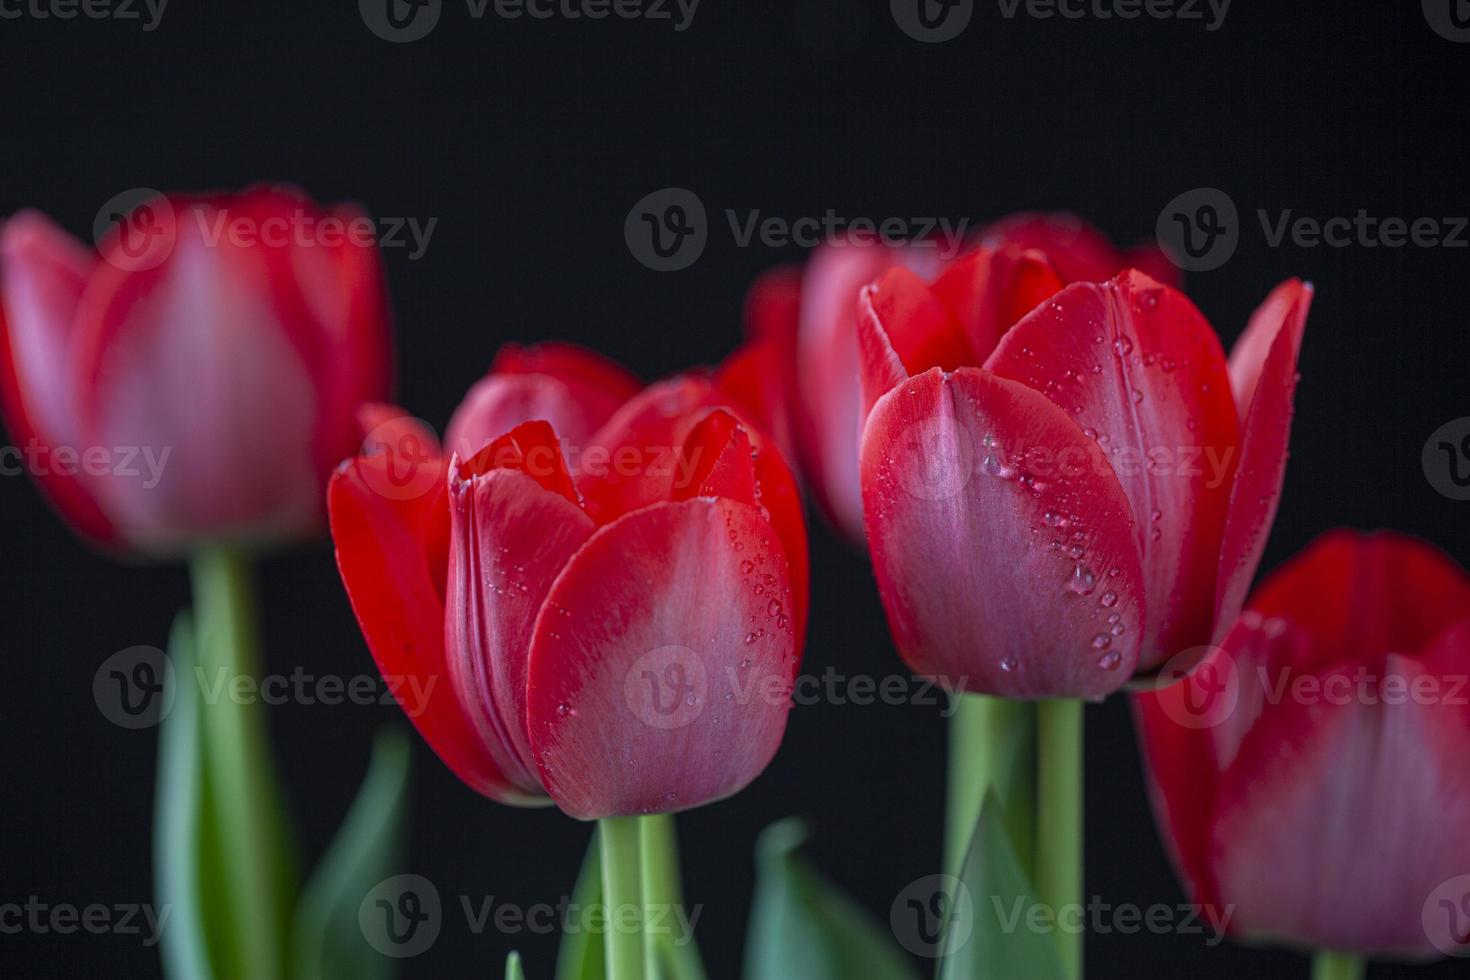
(803,926)
(991,934)
(513,969)
(328,942)
(582,955)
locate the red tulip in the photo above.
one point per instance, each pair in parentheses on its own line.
(201,379)
(1309,773)
(616,623)
(811,315)
(1054,506)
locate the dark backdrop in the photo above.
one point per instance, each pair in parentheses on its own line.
(529,142)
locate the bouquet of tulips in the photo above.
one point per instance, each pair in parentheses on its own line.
(592,594)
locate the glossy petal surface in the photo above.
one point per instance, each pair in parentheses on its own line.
(645,694)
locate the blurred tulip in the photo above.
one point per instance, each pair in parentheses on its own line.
(1309,773)
(1093,499)
(809,315)
(616,622)
(199,381)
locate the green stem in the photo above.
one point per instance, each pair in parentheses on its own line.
(663,895)
(1059,820)
(618,844)
(1328,965)
(991,745)
(241,784)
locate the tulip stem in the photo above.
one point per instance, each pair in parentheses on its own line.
(1059,821)
(663,897)
(241,783)
(992,745)
(1329,965)
(618,844)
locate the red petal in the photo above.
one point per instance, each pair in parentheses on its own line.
(385,553)
(922,331)
(653,614)
(828,366)
(1077,250)
(515,523)
(1263,376)
(1345,809)
(592,377)
(882,369)
(42,274)
(989,290)
(176,355)
(1136,363)
(719,452)
(1359,596)
(975,491)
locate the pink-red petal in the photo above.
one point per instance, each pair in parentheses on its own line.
(384,554)
(660,674)
(1136,366)
(513,529)
(1000,540)
(1263,377)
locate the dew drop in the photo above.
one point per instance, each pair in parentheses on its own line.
(1101,641)
(1110,660)
(1008,664)
(1083,580)
(1123,346)
(1109,599)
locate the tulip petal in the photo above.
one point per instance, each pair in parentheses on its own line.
(1015,574)
(515,522)
(828,360)
(644,693)
(383,546)
(720,454)
(725,466)
(989,290)
(575,390)
(1135,363)
(175,359)
(43,272)
(1077,250)
(1263,377)
(1356,595)
(1353,801)
(921,330)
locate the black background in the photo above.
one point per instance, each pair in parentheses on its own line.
(529,142)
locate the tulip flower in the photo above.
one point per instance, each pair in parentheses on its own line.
(614,623)
(810,314)
(200,379)
(1055,505)
(1308,773)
